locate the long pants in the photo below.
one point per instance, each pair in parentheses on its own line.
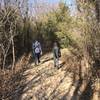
(37,58)
(56,62)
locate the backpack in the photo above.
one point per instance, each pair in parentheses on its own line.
(33,46)
(37,50)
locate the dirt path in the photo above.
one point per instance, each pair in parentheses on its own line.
(44,82)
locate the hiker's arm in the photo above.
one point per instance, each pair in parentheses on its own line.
(40,49)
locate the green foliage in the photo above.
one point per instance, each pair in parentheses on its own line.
(56,26)
(64,24)
(90,31)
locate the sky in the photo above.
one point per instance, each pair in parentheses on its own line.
(70,3)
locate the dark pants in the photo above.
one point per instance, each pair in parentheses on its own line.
(37,58)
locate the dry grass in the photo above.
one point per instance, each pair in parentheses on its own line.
(44,82)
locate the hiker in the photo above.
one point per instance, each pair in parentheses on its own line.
(56,54)
(37,52)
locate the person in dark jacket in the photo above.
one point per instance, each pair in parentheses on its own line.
(37,52)
(56,54)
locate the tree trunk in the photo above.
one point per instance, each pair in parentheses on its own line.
(4,60)
(98,9)
(13,52)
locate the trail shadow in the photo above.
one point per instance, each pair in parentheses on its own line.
(16,84)
(35,80)
(76,94)
(77,79)
(43,59)
(79,83)
(16,80)
(47,59)
(96,68)
(88,92)
(62,64)
(66,96)
(54,93)
(23,87)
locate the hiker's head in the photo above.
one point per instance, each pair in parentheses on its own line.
(55,44)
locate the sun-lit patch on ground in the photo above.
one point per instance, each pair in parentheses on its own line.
(46,82)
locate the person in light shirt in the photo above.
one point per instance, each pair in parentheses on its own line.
(56,54)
